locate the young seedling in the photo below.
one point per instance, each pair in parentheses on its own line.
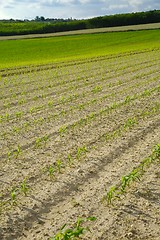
(63,112)
(97,89)
(16,129)
(59,165)
(130,123)
(91,116)
(38,142)
(17,151)
(45,139)
(62,130)
(9,155)
(133,176)
(50,104)
(72,233)
(81,106)
(21,101)
(156,151)
(7,117)
(32,109)
(111,194)
(125,182)
(24,187)
(70,160)
(62,99)
(51,171)
(26,125)
(80,151)
(127,99)
(19,114)
(13,195)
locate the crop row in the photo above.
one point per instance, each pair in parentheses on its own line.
(74,68)
(72,99)
(42,124)
(72,78)
(116,191)
(76,153)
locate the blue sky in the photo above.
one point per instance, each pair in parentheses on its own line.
(79,9)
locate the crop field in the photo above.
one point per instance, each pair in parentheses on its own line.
(80,148)
(25,52)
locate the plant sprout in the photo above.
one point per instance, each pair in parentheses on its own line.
(24,187)
(59,165)
(74,232)
(13,195)
(51,170)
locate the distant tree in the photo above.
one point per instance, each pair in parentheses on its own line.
(39,19)
(42,19)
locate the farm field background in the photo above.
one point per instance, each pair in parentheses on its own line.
(86,31)
(67,48)
(76,119)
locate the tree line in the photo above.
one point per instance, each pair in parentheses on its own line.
(42,25)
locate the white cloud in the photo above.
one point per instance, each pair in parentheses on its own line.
(72,8)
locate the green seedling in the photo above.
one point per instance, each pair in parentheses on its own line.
(125,182)
(4,135)
(21,101)
(80,151)
(38,121)
(16,129)
(59,165)
(35,98)
(97,89)
(17,152)
(62,99)
(156,151)
(50,103)
(9,155)
(7,117)
(51,171)
(13,195)
(146,93)
(70,160)
(133,176)
(81,106)
(127,99)
(91,116)
(62,130)
(114,105)
(7,105)
(45,139)
(26,125)
(146,162)
(111,194)
(32,109)
(63,112)
(38,142)
(72,233)
(130,123)
(24,187)
(19,114)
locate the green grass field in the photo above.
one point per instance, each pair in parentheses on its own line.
(67,48)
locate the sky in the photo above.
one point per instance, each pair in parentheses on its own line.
(77,9)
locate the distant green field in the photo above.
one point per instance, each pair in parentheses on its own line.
(67,48)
